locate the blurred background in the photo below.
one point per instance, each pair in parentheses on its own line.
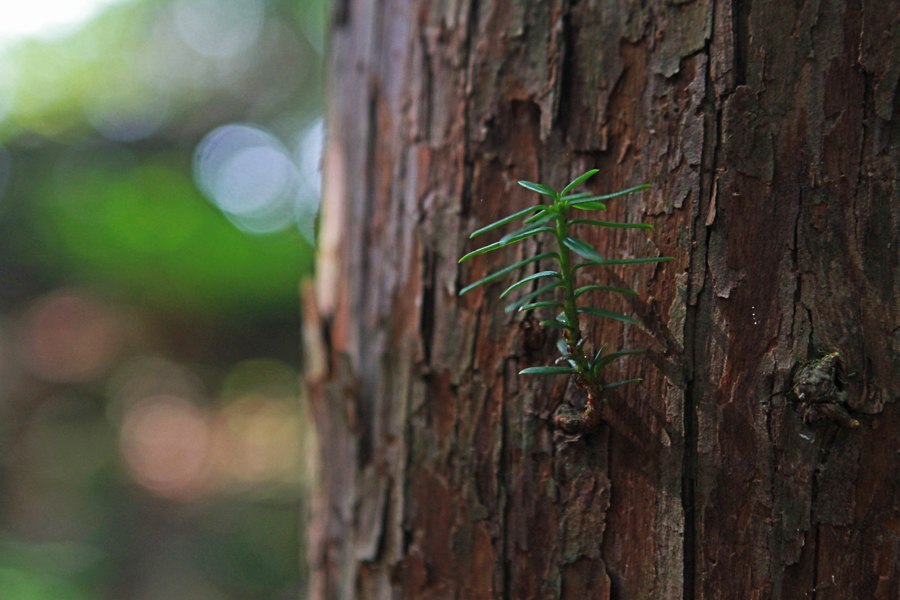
(158,191)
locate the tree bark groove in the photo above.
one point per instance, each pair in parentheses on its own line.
(770,131)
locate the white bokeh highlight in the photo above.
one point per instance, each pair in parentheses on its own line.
(219,29)
(45,18)
(252,177)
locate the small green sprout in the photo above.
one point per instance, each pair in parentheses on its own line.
(556,277)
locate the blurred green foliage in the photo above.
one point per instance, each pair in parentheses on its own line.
(142,227)
(127,215)
(112,257)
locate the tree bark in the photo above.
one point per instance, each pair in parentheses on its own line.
(770,131)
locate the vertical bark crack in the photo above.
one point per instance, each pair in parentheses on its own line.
(567,69)
(741,36)
(687,493)
(693,330)
(468,165)
(426,312)
(426,125)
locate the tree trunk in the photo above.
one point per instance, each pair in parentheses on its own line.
(770,132)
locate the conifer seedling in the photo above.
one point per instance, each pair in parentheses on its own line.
(552,286)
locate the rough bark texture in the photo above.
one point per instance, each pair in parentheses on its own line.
(771,133)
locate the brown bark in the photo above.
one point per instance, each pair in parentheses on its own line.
(771,133)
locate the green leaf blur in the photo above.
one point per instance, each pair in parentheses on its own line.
(146,230)
(151,421)
(127,216)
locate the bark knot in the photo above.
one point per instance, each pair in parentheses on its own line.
(820,391)
(572,421)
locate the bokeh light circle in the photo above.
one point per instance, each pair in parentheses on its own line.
(69,336)
(219,28)
(249,175)
(165,445)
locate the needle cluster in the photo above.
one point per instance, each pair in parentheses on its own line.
(553,284)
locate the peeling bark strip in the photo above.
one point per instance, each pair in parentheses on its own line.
(771,132)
